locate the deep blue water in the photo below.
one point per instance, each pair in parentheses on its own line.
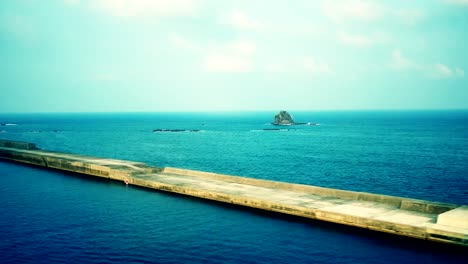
(54,217)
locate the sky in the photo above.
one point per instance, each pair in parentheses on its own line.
(222,55)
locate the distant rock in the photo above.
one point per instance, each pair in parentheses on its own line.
(275,129)
(283,118)
(175,130)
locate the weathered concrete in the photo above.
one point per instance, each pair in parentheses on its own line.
(457,217)
(17,144)
(402,216)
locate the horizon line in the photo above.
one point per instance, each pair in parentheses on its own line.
(240,111)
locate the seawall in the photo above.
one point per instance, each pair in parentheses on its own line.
(441,222)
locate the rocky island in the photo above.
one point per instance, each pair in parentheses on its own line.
(283,118)
(175,130)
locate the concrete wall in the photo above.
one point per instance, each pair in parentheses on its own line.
(142,175)
(63,162)
(399,202)
(264,204)
(17,144)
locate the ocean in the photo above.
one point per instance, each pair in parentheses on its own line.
(56,217)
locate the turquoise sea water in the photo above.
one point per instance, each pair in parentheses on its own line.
(54,217)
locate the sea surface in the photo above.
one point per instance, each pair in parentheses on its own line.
(56,217)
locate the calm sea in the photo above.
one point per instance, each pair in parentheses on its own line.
(55,217)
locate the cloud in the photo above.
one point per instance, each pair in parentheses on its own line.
(71,2)
(367,11)
(315,67)
(457,2)
(183,43)
(305,65)
(275,68)
(440,70)
(218,62)
(240,20)
(133,8)
(343,10)
(362,40)
(436,70)
(459,72)
(233,56)
(107,77)
(239,56)
(409,16)
(242,47)
(238,47)
(400,62)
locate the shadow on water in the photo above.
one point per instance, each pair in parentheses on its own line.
(377,239)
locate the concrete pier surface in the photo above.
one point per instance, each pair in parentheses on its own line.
(441,222)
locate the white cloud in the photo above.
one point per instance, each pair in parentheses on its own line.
(71,2)
(275,68)
(303,65)
(442,70)
(342,10)
(436,70)
(409,16)
(355,40)
(234,56)
(237,47)
(241,20)
(183,43)
(105,77)
(133,8)
(218,62)
(242,47)
(400,62)
(458,2)
(362,40)
(459,72)
(315,67)
(367,10)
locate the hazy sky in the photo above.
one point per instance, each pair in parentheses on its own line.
(202,55)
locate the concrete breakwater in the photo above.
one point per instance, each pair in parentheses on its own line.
(427,220)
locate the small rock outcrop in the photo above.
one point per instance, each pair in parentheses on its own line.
(175,130)
(283,118)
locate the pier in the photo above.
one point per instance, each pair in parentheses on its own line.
(434,221)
